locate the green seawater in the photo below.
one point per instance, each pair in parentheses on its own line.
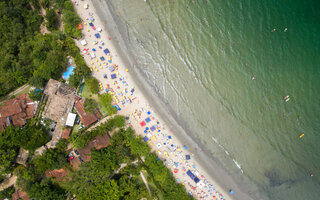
(225,73)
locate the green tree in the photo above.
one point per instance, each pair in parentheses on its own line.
(32,136)
(93,84)
(106,101)
(46,191)
(52,19)
(51,159)
(90,105)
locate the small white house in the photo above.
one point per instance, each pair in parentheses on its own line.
(70,119)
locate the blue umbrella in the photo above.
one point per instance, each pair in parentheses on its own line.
(231,192)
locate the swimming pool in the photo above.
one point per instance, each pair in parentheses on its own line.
(66,74)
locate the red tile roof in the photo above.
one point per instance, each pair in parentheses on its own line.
(15,111)
(66,133)
(86,118)
(19,194)
(59,174)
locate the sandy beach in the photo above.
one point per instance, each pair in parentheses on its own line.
(116,75)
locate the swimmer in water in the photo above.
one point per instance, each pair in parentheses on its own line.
(273,30)
(253,78)
(285,30)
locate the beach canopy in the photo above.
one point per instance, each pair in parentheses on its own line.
(142,124)
(152,128)
(83,42)
(97,35)
(145,138)
(104,75)
(106,51)
(102,58)
(188,157)
(111,69)
(148,119)
(113,76)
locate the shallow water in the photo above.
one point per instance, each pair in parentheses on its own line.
(225,73)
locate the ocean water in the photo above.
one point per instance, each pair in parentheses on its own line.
(224,67)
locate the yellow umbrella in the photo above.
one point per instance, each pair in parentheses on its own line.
(97,60)
(99,64)
(154,137)
(85,23)
(91,62)
(127,70)
(88,30)
(94,66)
(100,67)
(96,70)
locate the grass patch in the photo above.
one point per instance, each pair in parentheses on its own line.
(86,93)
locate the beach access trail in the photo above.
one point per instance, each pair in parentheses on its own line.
(112,74)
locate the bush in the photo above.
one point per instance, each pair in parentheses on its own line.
(7,193)
(36,94)
(106,101)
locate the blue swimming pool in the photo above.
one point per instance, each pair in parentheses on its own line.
(66,74)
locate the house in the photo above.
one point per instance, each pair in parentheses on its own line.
(98,142)
(59,174)
(66,133)
(19,194)
(16,111)
(86,118)
(60,101)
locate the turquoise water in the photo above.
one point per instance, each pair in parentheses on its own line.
(66,75)
(225,74)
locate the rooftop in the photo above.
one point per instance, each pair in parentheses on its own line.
(60,100)
(86,118)
(16,111)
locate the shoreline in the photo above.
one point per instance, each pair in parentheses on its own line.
(208,166)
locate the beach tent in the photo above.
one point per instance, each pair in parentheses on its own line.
(142,124)
(113,76)
(83,42)
(111,69)
(188,157)
(99,29)
(152,128)
(92,55)
(90,24)
(104,75)
(145,139)
(106,51)
(97,35)
(148,119)
(102,58)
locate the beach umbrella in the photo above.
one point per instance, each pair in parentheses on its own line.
(231,192)
(93,49)
(176,171)
(109,38)
(169,137)
(184,146)
(148,112)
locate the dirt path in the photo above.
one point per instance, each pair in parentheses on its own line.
(8,182)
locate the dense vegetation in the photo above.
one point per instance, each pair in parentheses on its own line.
(29,137)
(28,56)
(90,105)
(93,84)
